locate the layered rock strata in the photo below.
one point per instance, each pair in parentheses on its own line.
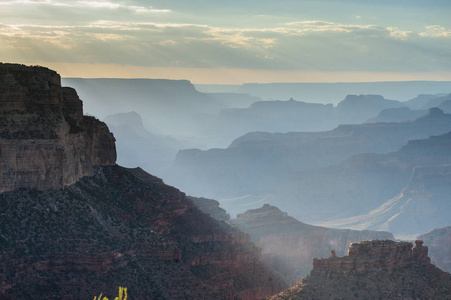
(45,141)
(65,235)
(379,269)
(290,245)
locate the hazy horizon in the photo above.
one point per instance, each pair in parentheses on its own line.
(231,42)
(213,149)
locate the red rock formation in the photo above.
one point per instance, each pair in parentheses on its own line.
(45,141)
(379,269)
(368,256)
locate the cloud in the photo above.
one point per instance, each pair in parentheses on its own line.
(83,5)
(321,26)
(150,41)
(436,31)
(399,34)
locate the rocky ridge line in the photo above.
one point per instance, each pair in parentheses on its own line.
(378,269)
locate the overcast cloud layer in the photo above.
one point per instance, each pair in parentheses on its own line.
(338,36)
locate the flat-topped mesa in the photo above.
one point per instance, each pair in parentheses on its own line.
(380,256)
(45,141)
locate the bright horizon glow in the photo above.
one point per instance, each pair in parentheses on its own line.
(236,76)
(232,42)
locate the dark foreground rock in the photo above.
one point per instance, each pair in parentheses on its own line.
(123,227)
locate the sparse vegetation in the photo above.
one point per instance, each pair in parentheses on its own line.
(122,295)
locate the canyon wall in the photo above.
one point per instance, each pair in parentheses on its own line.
(45,141)
(75,224)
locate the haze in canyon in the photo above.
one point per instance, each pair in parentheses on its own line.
(203,150)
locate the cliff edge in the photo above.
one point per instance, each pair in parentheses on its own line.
(45,141)
(378,269)
(66,237)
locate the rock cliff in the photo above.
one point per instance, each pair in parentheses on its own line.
(439,241)
(45,141)
(290,245)
(378,269)
(65,235)
(211,207)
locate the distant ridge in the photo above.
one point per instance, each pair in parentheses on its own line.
(290,245)
(286,165)
(333,92)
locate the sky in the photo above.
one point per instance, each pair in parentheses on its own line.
(231,42)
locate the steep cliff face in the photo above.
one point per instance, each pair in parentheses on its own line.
(64,235)
(45,141)
(439,241)
(379,269)
(289,245)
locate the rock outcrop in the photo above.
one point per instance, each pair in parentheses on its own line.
(45,141)
(439,241)
(289,245)
(211,207)
(378,269)
(65,235)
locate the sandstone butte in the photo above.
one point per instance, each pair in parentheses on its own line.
(378,269)
(74,224)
